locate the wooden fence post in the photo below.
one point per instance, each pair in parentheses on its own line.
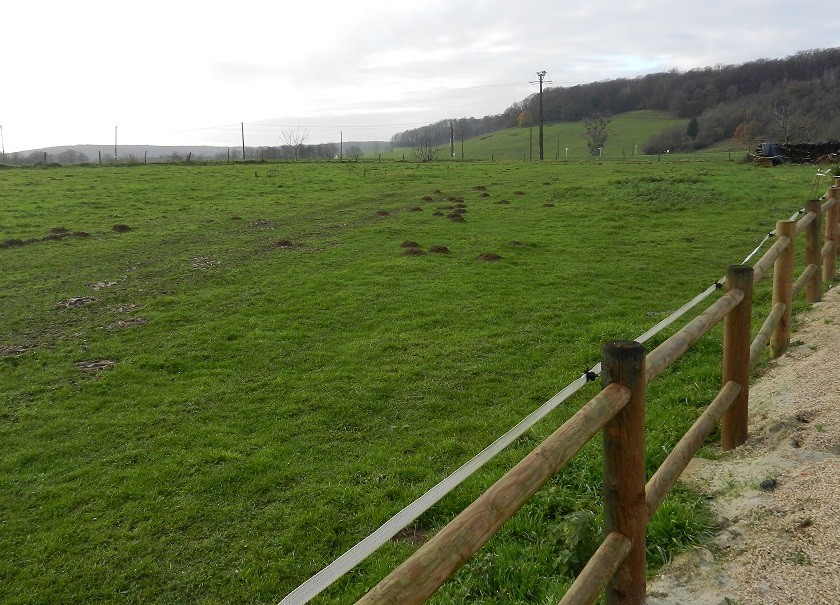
(813,289)
(832,224)
(624,469)
(736,356)
(783,287)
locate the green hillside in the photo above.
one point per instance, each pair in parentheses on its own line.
(564,140)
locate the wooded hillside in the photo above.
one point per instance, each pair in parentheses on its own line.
(794,98)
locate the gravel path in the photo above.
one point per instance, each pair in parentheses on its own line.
(778,496)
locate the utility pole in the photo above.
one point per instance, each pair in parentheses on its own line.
(541,76)
(243,141)
(452,139)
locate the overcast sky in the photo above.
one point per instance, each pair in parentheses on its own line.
(189,72)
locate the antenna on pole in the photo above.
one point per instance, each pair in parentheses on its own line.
(541,76)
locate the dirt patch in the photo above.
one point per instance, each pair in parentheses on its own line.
(101,284)
(78,301)
(121,228)
(94,365)
(203,262)
(426,198)
(120,324)
(262,223)
(81,234)
(14,350)
(776,496)
(12,243)
(381,213)
(415,209)
(483,194)
(488,256)
(285,244)
(438,213)
(409,244)
(518,193)
(437,249)
(414,533)
(502,202)
(124,309)
(59,230)
(413,252)
(457,218)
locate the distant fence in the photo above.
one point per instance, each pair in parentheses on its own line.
(618,565)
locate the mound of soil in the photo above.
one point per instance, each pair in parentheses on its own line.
(518,193)
(483,194)
(438,213)
(438,192)
(445,207)
(502,202)
(125,323)
(437,249)
(79,301)
(488,256)
(413,252)
(81,234)
(460,205)
(203,262)
(457,218)
(12,243)
(426,198)
(286,244)
(95,365)
(13,350)
(59,230)
(455,213)
(415,209)
(455,198)
(382,213)
(121,228)
(409,244)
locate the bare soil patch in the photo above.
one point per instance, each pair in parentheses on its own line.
(382,213)
(457,218)
(488,256)
(438,249)
(415,209)
(203,262)
(413,252)
(11,350)
(502,202)
(78,301)
(410,244)
(121,228)
(94,365)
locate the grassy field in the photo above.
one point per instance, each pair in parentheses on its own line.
(282,377)
(629,133)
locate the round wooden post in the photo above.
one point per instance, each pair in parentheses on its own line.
(625,512)
(783,287)
(832,224)
(736,356)
(813,289)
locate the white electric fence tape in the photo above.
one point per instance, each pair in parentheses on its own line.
(358,553)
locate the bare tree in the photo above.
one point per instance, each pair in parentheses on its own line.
(788,123)
(423,146)
(293,140)
(354,152)
(595,132)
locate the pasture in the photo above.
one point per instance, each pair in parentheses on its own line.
(214,379)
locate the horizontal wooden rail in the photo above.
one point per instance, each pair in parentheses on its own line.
(670,470)
(827,249)
(590,581)
(807,219)
(665,354)
(433,563)
(762,339)
(828,205)
(762,265)
(802,280)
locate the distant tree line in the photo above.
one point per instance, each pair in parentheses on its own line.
(780,99)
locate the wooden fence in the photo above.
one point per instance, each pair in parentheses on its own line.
(618,565)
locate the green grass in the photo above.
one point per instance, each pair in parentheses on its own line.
(279,403)
(629,133)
